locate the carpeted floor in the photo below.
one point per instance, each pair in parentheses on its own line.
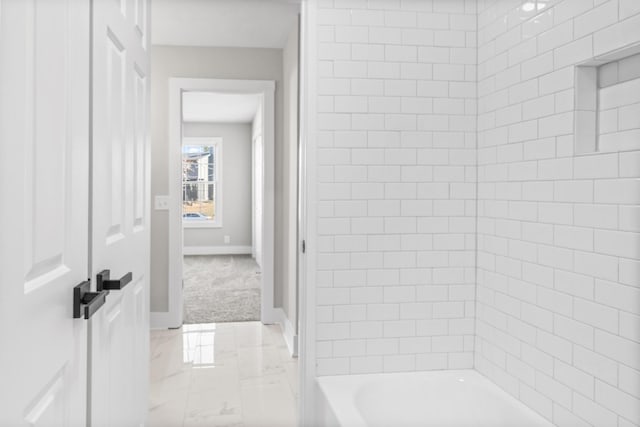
(221,288)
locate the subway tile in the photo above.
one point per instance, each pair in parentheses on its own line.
(367,52)
(617,36)
(618,401)
(628,68)
(592,411)
(399,53)
(578,380)
(556,81)
(628,8)
(367,17)
(384,4)
(535,400)
(351,34)
(618,243)
(596,166)
(618,348)
(433,20)
(555,37)
(630,326)
(400,19)
(384,35)
(365,87)
(574,191)
(596,216)
(595,364)
(596,265)
(595,314)
(538,66)
(629,218)
(555,125)
(629,116)
(570,8)
(449,38)
(366,329)
(617,191)
(383,70)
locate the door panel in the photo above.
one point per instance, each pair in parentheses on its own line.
(44,148)
(140,85)
(113,162)
(120,157)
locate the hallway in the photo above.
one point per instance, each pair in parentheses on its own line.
(221,288)
(230,374)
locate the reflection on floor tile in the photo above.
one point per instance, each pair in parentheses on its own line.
(222,374)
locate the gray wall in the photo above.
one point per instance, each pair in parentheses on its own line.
(236,185)
(290,175)
(203,62)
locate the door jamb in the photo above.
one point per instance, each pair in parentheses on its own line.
(308,212)
(265,88)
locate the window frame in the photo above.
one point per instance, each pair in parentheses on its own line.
(215,142)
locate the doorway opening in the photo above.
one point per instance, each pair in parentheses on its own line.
(222,164)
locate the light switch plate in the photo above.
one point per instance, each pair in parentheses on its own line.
(161,203)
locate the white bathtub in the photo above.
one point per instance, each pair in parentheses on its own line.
(461,398)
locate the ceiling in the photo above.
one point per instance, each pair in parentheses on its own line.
(219,107)
(231,23)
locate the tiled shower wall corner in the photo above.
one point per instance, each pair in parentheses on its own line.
(397,175)
(558,289)
(558,296)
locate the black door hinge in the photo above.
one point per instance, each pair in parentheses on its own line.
(304,246)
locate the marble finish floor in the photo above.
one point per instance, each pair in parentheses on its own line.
(222,374)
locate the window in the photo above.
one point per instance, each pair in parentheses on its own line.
(201,185)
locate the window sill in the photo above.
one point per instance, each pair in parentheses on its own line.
(201,224)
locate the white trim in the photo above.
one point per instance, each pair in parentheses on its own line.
(200,224)
(215,142)
(288,332)
(307,218)
(217,250)
(266,90)
(160,320)
(176,230)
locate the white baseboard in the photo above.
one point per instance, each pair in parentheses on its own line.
(160,320)
(288,332)
(216,250)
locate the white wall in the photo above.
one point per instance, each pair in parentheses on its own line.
(236,187)
(558,297)
(396,171)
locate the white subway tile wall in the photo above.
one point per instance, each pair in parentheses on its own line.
(558,287)
(443,122)
(397,185)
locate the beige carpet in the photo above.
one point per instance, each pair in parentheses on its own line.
(221,288)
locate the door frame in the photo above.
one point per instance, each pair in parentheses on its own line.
(307,214)
(265,88)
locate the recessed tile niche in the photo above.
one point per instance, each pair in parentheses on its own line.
(607,103)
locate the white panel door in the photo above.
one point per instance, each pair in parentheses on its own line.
(44,159)
(120,212)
